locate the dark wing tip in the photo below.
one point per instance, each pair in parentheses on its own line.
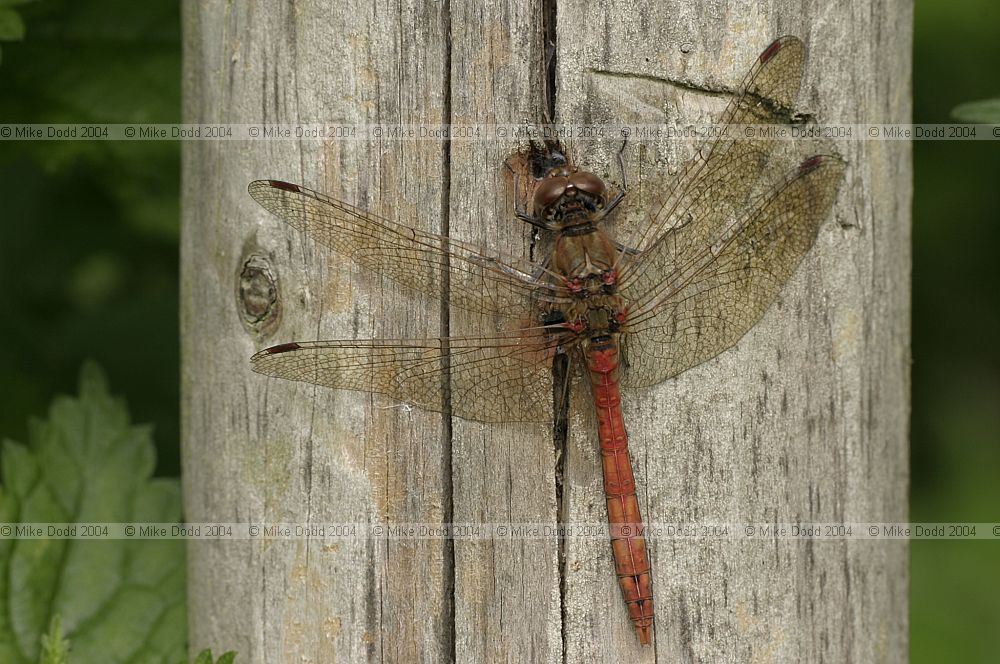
(286,186)
(811,164)
(769,52)
(261,355)
(257,185)
(777,45)
(815,161)
(280,348)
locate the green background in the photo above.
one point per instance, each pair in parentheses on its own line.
(89,267)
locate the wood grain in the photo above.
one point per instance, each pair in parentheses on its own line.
(270,451)
(804,420)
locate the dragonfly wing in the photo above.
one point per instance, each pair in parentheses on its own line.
(717,181)
(478,280)
(723,281)
(502,379)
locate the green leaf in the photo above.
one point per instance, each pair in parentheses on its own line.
(205,657)
(55,649)
(117,600)
(11,25)
(985,111)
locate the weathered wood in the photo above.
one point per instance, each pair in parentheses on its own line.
(507,602)
(259,450)
(805,419)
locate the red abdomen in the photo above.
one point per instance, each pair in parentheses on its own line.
(628,546)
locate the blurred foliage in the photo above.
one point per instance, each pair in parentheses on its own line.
(985,111)
(89,237)
(955,425)
(11,23)
(117,599)
(205,657)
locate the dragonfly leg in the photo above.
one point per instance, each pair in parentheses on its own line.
(519,211)
(631,251)
(620,196)
(621,163)
(534,221)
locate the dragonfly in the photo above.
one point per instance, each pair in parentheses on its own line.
(723,238)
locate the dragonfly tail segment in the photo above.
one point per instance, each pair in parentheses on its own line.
(628,545)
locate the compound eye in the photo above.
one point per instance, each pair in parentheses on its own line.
(588,182)
(548,192)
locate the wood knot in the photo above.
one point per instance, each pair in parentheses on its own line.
(257,295)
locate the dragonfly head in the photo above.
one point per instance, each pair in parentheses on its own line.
(563,196)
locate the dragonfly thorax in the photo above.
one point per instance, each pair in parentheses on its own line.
(587,262)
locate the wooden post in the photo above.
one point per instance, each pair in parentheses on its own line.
(271,451)
(804,420)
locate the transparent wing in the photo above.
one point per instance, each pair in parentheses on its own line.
(716,182)
(500,379)
(725,278)
(477,280)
